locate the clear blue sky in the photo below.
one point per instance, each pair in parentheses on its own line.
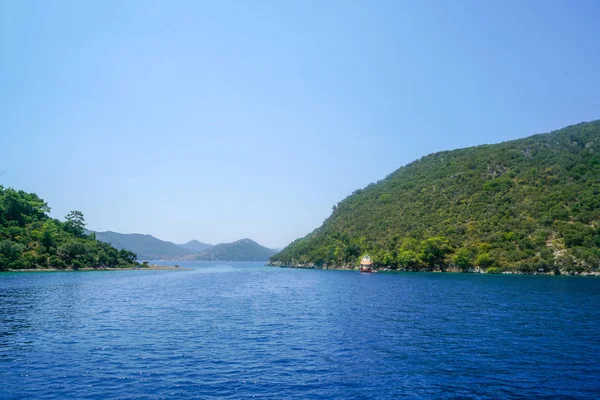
(222,120)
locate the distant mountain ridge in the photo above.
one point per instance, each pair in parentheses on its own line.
(149,247)
(241,250)
(195,246)
(145,246)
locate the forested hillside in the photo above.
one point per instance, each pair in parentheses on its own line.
(29,238)
(525,205)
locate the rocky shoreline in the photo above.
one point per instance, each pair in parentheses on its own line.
(476,270)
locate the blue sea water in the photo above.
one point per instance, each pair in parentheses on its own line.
(242,330)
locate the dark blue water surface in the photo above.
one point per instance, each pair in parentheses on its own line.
(245,330)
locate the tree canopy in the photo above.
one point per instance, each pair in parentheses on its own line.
(29,238)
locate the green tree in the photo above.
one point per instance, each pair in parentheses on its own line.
(433,251)
(127,256)
(408,259)
(21,207)
(463,259)
(49,234)
(75,223)
(484,260)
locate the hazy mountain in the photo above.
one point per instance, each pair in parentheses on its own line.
(195,246)
(145,246)
(241,250)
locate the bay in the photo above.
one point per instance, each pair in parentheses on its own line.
(236,330)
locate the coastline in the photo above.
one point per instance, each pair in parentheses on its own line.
(476,270)
(150,268)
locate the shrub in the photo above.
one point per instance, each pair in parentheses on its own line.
(462,258)
(56,262)
(484,260)
(76,264)
(408,259)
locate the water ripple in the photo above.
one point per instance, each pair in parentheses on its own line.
(244,330)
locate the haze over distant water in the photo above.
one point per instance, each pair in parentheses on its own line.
(222,120)
(243,330)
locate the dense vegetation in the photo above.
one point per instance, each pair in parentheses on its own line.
(241,250)
(526,205)
(29,238)
(147,247)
